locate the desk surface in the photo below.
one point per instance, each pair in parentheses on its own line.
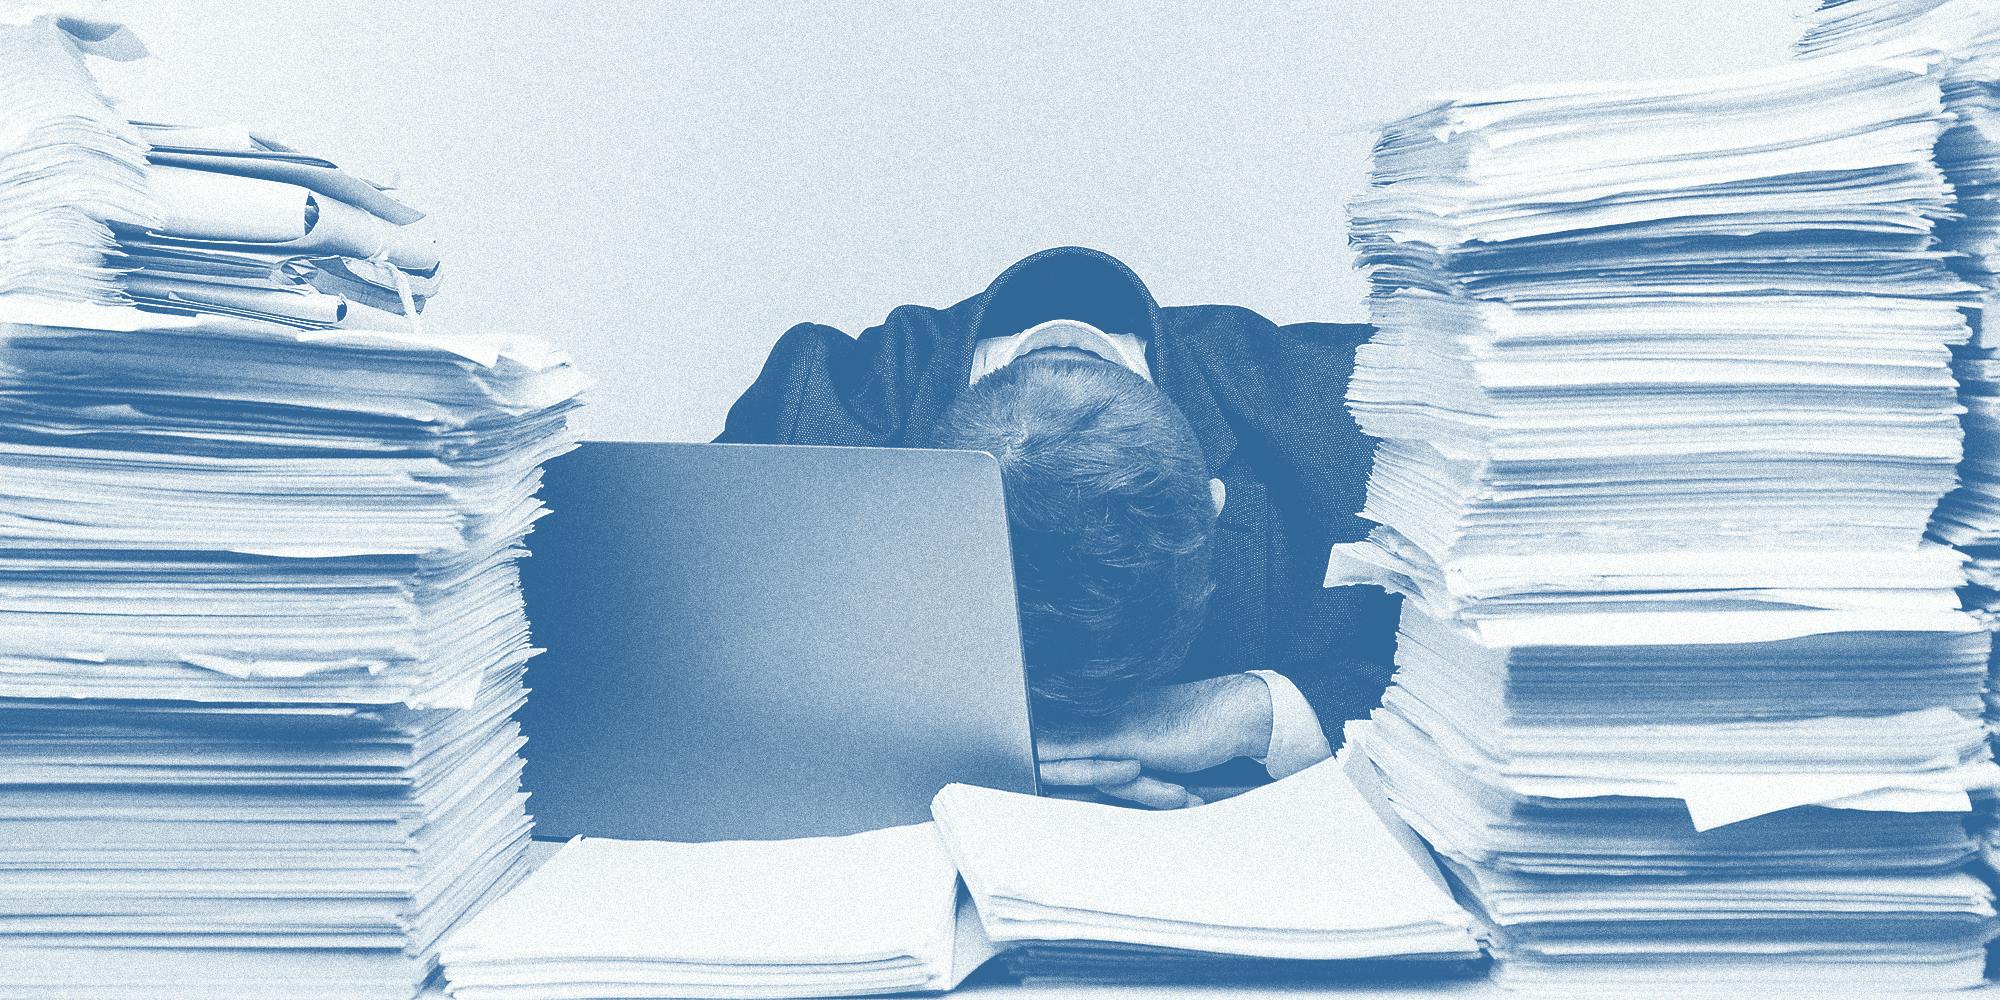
(1472,989)
(1480,988)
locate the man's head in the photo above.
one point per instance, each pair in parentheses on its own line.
(1110,512)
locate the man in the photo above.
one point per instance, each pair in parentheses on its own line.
(1174,479)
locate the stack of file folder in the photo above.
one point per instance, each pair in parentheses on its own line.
(1663,388)
(261,636)
(1967,33)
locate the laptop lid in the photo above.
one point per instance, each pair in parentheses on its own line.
(766,641)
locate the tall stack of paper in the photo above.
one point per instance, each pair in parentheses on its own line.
(261,641)
(1968,33)
(1279,881)
(1663,387)
(874,912)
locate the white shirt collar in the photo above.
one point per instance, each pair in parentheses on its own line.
(1124,349)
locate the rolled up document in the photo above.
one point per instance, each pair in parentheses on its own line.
(277,217)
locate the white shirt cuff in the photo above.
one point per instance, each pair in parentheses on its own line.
(1297,741)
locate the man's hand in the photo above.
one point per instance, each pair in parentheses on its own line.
(1175,728)
(1117,778)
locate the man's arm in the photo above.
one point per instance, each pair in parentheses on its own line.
(1191,727)
(1341,653)
(1298,739)
(1171,728)
(1336,646)
(1284,391)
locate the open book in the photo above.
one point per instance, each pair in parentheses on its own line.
(874,912)
(1304,870)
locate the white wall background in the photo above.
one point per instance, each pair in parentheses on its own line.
(664,188)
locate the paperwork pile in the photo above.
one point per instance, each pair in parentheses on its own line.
(1967,32)
(250,227)
(68,163)
(261,639)
(1301,876)
(186,220)
(1288,880)
(1663,391)
(873,912)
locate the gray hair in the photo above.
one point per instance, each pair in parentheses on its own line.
(1111,521)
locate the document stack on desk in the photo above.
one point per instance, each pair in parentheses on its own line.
(261,640)
(1968,33)
(874,912)
(1292,880)
(1663,387)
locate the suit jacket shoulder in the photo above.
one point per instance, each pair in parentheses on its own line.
(1283,389)
(821,386)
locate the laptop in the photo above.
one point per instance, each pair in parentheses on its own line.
(768,641)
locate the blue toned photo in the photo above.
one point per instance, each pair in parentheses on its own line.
(1018,500)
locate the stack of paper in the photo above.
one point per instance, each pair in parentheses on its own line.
(1663,387)
(195,220)
(68,163)
(1302,870)
(869,913)
(1968,33)
(250,227)
(261,642)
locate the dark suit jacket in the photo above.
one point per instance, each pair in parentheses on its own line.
(1268,404)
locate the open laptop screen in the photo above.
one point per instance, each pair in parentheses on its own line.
(763,641)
